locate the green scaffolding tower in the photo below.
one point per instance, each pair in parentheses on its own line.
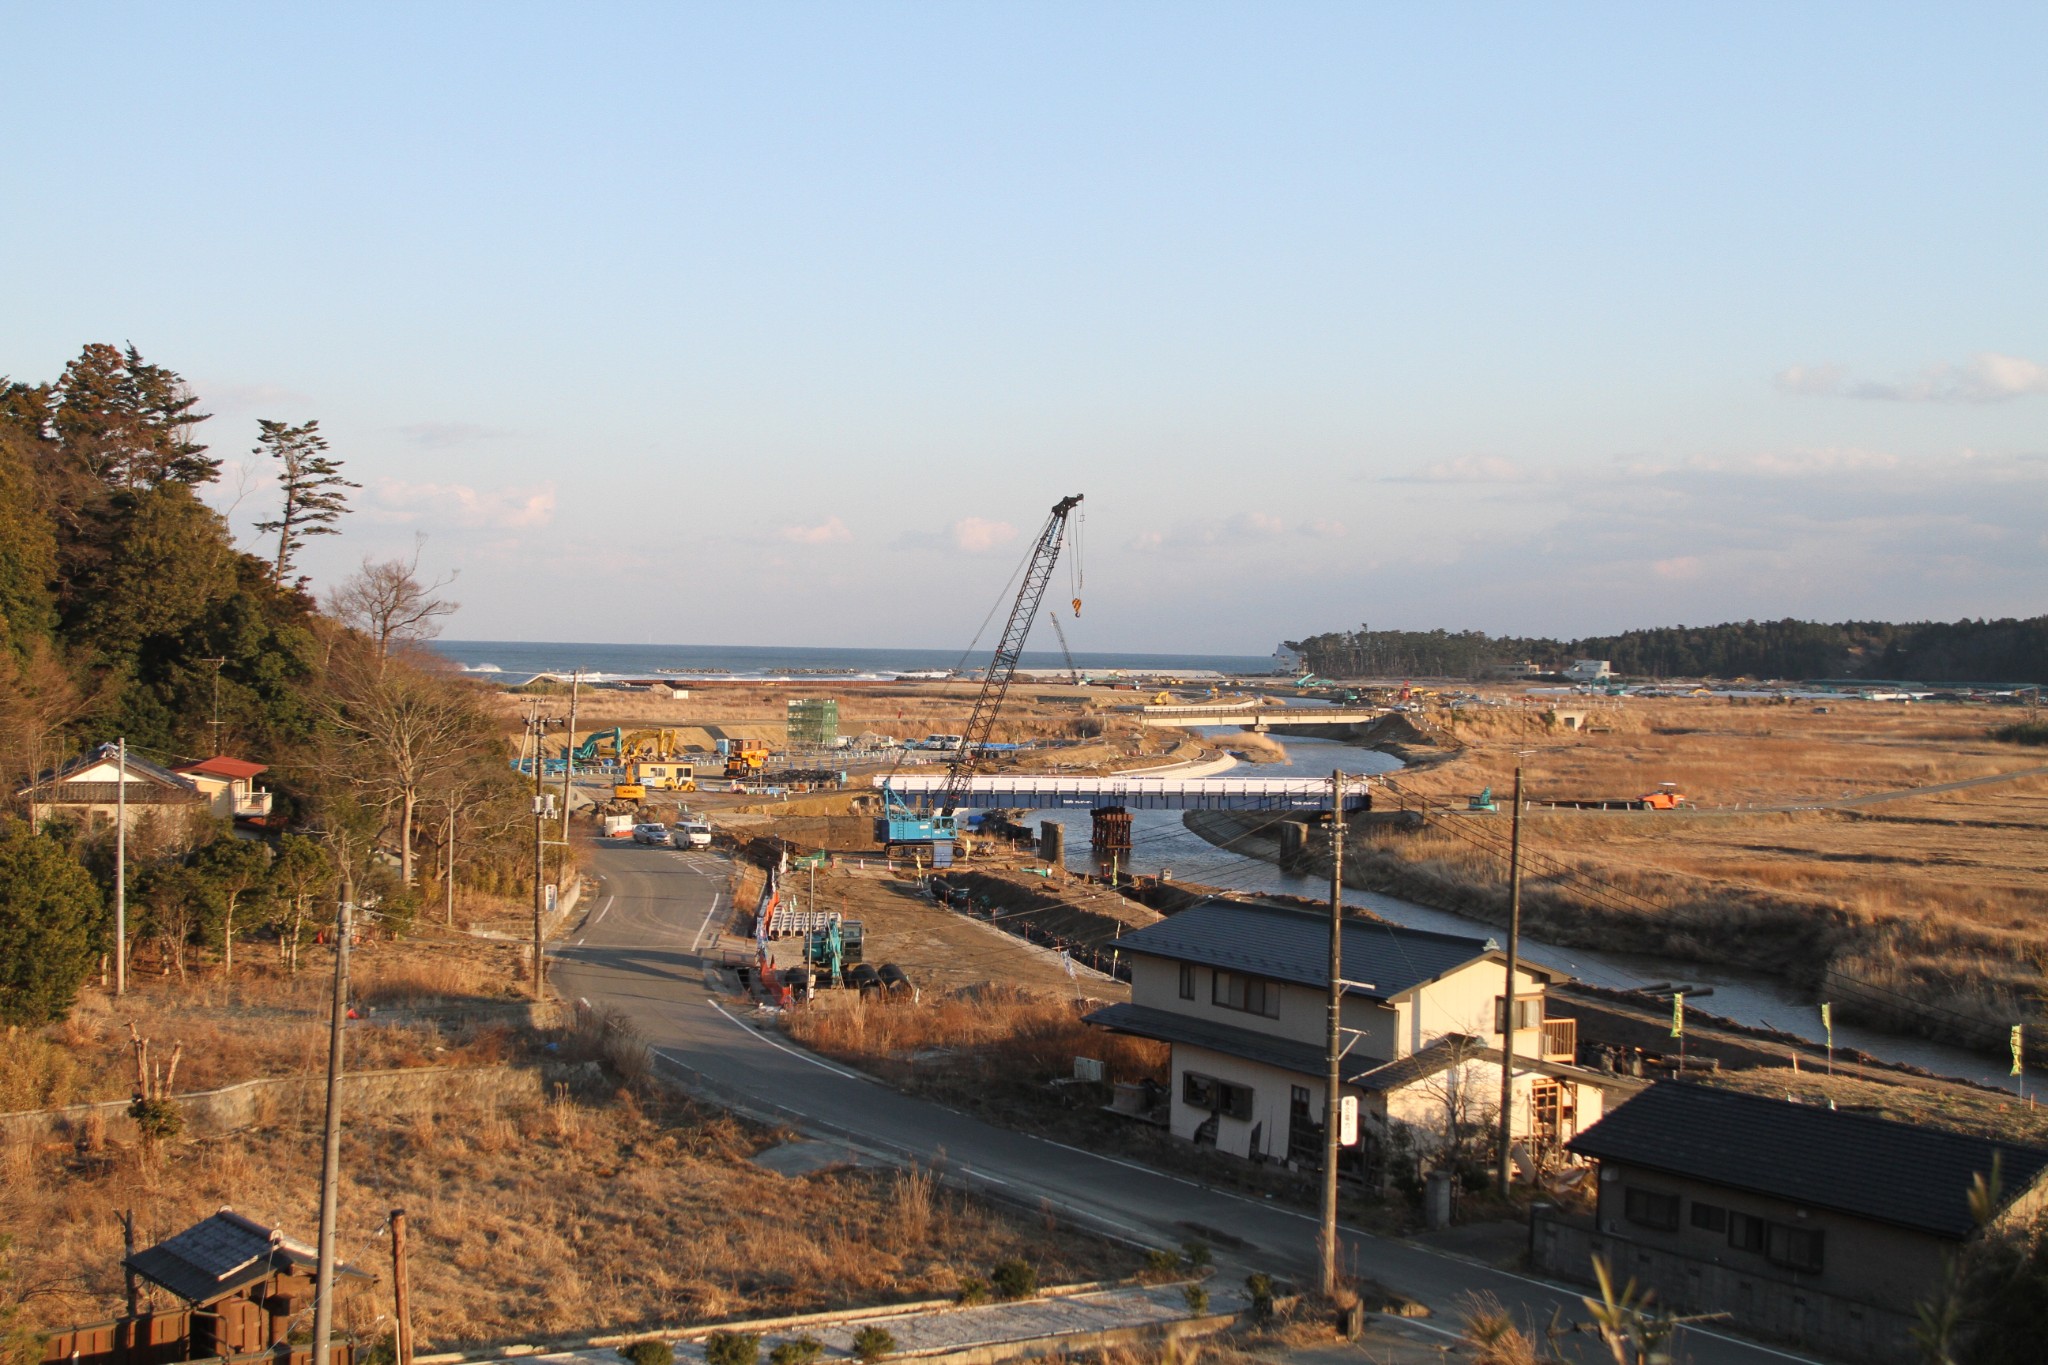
(814,722)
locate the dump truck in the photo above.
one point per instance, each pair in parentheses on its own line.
(745,758)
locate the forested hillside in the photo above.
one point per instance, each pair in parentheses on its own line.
(127,611)
(2010,651)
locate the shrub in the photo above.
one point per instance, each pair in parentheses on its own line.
(1162,1265)
(732,1348)
(649,1353)
(973,1289)
(1196,1253)
(158,1120)
(801,1351)
(871,1343)
(1259,1285)
(1198,1299)
(1014,1279)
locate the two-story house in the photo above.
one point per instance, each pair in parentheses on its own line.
(1240,993)
(1799,1221)
(230,784)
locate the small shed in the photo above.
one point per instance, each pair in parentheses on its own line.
(253,1280)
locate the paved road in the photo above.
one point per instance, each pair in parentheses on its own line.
(640,951)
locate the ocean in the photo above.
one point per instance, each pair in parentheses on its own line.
(523,658)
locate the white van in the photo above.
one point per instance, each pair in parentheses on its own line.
(692,834)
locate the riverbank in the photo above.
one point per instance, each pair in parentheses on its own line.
(1456,863)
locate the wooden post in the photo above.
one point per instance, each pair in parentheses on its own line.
(133,1290)
(401,1289)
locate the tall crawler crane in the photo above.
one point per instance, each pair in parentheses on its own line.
(899,824)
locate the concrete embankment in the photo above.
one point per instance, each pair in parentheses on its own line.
(249,1104)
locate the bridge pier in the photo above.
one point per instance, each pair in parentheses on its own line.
(1294,846)
(1052,842)
(1110,829)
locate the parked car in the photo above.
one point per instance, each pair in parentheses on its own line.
(655,833)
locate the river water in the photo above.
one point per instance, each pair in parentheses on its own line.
(1160,842)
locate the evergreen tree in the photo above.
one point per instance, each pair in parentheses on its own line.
(51,923)
(312,483)
(128,423)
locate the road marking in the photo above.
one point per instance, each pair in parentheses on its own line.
(707,922)
(800,1056)
(600,912)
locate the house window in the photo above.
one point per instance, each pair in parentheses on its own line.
(1793,1248)
(1187,981)
(1711,1217)
(1218,1097)
(1528,1012)
(1251,994)
(1746,1233)
(1651,1208)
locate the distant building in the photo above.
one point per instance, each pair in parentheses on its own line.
(1801,1222)
(1588,671)
(1289,662)
(230,784)
(1240,993)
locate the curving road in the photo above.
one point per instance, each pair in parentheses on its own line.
(641,951)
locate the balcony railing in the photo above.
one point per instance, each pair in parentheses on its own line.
(1560,1040)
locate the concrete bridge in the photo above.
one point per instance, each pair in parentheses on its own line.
(1257,717)
(1006,792)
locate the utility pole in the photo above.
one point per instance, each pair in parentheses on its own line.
(536,727)
(330,1165)
(569,768)
(121,871)
(1333,1080)
(401,1290)
(218,665)
(1507,1031)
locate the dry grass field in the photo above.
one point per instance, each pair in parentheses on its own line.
(263,1023)
(599,1213)
(1927,913)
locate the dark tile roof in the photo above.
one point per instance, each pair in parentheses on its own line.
(1294,945)
(221,1255)
(1896,1173)
(141,773)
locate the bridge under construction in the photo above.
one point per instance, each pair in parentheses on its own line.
(1008,792)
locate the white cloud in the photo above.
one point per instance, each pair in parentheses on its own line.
(1242,528)
(831,531)
(1467,469)
(457,504)
(977,534)
(1986,377)
(441,435)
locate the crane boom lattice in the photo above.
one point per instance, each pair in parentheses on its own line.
(995,684)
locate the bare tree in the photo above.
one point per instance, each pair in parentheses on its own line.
(403,728)
(38,698)
(386,603)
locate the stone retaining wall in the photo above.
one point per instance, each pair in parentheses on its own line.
(250,1104)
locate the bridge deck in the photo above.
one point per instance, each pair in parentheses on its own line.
(1135,793)
(1181,716)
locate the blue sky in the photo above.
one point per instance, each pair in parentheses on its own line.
(786,324)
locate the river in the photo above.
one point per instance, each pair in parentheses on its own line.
(1160,842)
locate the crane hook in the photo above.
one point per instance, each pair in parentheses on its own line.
(1077,606)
